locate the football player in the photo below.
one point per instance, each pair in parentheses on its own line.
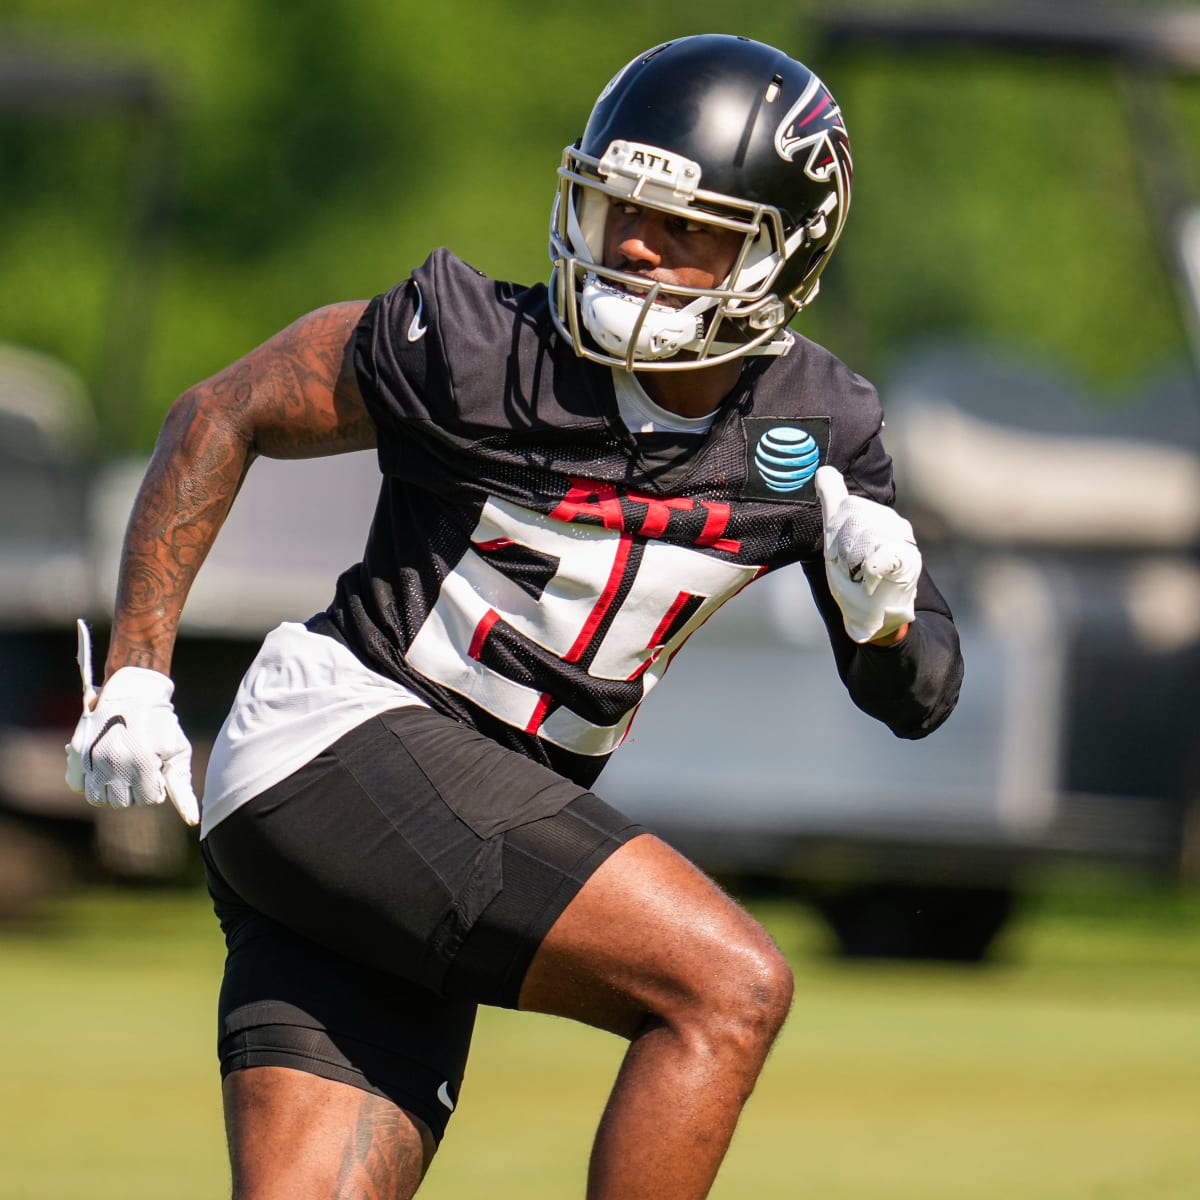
(398,819)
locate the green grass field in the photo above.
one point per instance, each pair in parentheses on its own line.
(1067,1070)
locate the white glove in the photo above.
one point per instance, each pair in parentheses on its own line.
(871,559)
(129,748)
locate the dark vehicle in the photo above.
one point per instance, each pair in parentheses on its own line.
(53,434)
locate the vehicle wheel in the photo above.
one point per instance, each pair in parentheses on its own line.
(33,868)
(147,844)
(952,924)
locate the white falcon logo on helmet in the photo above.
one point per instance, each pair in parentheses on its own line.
(814,123)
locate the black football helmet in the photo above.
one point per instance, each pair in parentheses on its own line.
(717,129)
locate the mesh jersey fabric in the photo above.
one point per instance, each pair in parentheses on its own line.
(526,571)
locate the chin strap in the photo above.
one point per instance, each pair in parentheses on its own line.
(779,345)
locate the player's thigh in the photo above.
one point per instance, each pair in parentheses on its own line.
(651,934)
(305,1011)
(292,1133)
(388,845)
(544,864)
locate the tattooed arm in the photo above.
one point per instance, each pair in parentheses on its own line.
(293,397)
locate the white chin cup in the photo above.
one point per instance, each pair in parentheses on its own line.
(610,316)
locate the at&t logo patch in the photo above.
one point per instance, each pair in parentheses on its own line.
(783,456)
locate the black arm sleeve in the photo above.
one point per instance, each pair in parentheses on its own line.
(911,686)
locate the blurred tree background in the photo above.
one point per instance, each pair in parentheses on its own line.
(319,153)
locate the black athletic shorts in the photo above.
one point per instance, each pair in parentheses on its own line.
(373,898)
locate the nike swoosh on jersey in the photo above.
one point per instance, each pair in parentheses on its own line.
(417,328)
(443,1094)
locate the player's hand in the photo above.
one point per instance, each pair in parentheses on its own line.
(128,747)
(871,560)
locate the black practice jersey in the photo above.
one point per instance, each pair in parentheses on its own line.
(532,571)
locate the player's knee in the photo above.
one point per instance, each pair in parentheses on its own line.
(746,999)
(766,987)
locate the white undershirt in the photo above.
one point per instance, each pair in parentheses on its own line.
(301,693)
(642,415)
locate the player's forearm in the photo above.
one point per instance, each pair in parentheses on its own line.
(295,396)
(193,477)
(911,686)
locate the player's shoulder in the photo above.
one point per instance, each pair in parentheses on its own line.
(446,275)
(469,351)
(461,296)
(445,301)
(811,381)
(814,370)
